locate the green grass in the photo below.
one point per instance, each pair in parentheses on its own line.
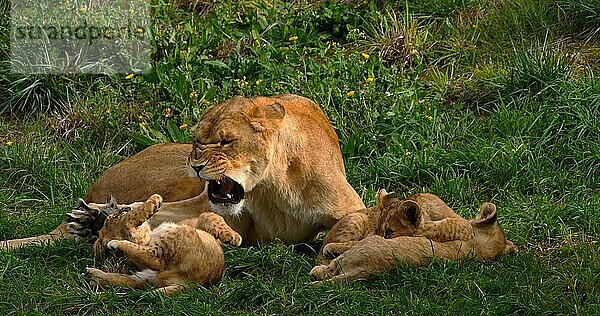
(472,100)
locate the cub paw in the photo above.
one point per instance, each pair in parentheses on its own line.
(231,238)
(95,275)
(84,222)
(329,251)
(113,245)
(334,249)
(156,201)
(321,272)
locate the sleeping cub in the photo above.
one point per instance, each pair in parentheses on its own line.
(420,229)
(420,215)
(171,254)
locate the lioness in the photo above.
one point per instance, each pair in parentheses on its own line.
(172,254)
(448,239)
(271,166)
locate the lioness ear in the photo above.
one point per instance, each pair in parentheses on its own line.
(272,111)
(487,215)
(412,212)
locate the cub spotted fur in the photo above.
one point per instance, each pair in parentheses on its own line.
(434,231)
(423,214)
(172,254)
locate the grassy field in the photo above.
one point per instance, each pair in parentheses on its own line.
(471,100)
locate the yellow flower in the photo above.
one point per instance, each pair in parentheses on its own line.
(146,103)
(168,112)
(139,30)
(83,9)
(429,117)
(193,95)
(259,81)
(293,38)
(413,51)
(370,79)
(365,55)
(350,93)
(143,124)
(421,101)
(9,143)
(183,126)
(129,76)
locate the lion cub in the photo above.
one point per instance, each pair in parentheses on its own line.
(172,254)
(423,214)
(431,230)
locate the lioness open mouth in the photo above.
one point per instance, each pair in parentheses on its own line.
(225,191)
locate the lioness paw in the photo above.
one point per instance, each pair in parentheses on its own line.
(84,222)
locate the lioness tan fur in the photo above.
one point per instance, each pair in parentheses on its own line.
(282,151)
(447,238)
(172,254)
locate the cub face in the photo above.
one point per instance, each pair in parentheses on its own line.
(233,146)
(398,217)
(117,228)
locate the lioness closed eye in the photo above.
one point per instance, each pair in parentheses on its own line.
(172,254)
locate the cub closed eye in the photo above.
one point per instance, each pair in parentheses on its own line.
(225,142)
(388,232)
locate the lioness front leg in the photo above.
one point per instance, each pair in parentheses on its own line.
(139,255)
(215,225)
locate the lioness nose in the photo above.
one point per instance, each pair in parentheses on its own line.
(198,168)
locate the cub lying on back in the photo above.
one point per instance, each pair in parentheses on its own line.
(171,253)
(422,227)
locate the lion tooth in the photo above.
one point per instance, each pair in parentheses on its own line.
(229,196)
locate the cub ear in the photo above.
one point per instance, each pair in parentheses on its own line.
(112,202)
(82,205)
(487,215)
(510,247)
(273,111)
(412,212)
(384,199)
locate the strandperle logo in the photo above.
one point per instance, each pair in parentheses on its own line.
(70,36)
(81,31)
